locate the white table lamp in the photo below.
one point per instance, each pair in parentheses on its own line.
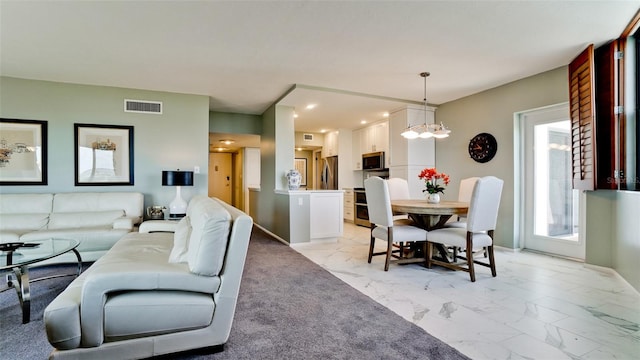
(178,207)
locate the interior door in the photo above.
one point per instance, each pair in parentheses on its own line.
(552,210)
(220,176)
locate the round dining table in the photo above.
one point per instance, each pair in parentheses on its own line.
(430,216)
(427,215)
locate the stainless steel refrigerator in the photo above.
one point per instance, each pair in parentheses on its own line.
(329,175)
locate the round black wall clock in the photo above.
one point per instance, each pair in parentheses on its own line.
(483,147)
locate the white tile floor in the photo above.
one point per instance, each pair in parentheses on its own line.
(538,307)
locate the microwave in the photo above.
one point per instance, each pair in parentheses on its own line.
(373,161)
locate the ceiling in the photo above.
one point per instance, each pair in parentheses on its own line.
(246,55)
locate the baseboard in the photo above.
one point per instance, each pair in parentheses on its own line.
(272,234)
(602,269)
(610,271)
(554,255)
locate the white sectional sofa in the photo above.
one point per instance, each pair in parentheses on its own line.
(96,219)
(156,293)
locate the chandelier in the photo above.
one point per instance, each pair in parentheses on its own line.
(425,131)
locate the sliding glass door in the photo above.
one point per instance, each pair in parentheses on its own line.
(551,208)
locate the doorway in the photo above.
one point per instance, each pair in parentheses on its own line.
(551,208)
(221,176)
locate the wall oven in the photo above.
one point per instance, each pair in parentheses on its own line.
(361,212)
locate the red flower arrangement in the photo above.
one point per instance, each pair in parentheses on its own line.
(431,177)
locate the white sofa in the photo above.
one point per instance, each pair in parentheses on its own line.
(96,219)
(134,302)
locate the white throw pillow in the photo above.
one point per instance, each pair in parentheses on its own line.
(181,241)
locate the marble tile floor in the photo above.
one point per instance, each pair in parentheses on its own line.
(538,307)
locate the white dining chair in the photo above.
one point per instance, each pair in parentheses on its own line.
(481,223)
(384,227)
(464,195)
(398,190)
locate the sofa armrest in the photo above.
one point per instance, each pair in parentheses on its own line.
(124,223)
(158,226)
(130,277)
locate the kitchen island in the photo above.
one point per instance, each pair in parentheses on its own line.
(314,215)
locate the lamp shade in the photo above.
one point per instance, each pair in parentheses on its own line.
(177,178)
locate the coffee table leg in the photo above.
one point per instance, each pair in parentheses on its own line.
(79,261)
(21,284)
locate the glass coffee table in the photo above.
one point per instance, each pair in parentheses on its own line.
(17,257)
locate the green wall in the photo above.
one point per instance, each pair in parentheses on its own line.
(613,232)
(612,229)
(272,211)
(232,123)
(178,138)
(626,236)
(492,111)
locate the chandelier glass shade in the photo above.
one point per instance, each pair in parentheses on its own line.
(426,131)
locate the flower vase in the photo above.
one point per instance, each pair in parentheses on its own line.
(433,198)
(294,178)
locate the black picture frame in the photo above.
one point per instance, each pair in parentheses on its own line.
(23,152)
(103,155)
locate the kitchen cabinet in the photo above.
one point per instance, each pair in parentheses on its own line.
(330,147)
(348,205)
(326,218)
(375,138)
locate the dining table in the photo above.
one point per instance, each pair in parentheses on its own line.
(430,216)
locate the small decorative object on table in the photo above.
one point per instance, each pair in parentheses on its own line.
(156,212)
(294,179)
(430,177)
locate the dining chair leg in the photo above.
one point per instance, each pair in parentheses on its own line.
(427,256)
(371,244)
(389,248)
(492,259)
(388,260)
(472,271)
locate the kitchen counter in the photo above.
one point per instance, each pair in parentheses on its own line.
(314,214)
(302,191)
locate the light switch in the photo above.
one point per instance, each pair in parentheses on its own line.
(196,169)
(300,201)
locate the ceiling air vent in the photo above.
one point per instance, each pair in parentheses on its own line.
(307,137)
(142,106)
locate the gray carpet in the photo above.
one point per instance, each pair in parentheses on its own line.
(288,308)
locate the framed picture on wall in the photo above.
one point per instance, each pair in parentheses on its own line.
(103,155)
(23,152)
(301,165)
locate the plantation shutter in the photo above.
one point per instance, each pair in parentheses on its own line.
(582,109)
(607,94)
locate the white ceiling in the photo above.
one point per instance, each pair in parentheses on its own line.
(246,55)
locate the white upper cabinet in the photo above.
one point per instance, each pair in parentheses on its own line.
(330,147)
(375,138)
